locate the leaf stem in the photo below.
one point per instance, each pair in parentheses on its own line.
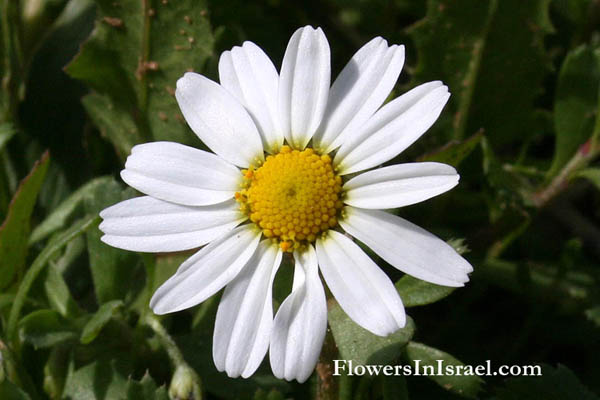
(586,153)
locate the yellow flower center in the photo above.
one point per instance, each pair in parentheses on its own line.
(292,197)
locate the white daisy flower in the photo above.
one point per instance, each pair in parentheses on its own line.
(256,198)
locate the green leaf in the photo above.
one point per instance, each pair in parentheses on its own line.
(99,380)
(465,384)
(59,217)
(55,370)
(112,269)
(394,388)
(10,391)
(450,42)
(45,328)
(514,58)
(133,58)
(576,103)
(593,314)
(58,292)
(98,320)
(478,46)
(15,229)
(558,383)
(455,151)
(39,263)
(145,389)
(415,292)
(7,131)
(165,267)
(591,174)
(361,346)
(115,123)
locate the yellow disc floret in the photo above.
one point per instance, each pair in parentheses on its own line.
(292,197)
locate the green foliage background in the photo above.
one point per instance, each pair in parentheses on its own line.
(85,80)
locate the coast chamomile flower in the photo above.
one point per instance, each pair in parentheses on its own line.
(292,171)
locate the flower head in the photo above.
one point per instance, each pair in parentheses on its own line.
(279,181)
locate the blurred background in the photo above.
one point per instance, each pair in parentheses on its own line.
(83,81)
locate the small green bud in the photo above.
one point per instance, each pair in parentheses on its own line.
(184,384)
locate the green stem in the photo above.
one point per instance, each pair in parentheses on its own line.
(13,58)
(166,341)
(586,154)
(462,115)
(38,265)
(185,382)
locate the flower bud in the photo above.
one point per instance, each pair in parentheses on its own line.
(184,384)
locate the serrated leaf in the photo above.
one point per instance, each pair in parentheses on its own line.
(361,346)
(515,60)
(98,320)
(45,328)
(576,103)
(59,217)
(133,58)
(415,292)
(15,229)
(477,47)
(99,380)
(467,385)
(145,389)
(454,152)
(111,268)
(450,41)
(558,383)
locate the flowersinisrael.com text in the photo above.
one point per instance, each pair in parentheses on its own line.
(440,368)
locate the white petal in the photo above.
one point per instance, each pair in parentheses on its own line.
(248,74)
(245,315)
(180,174)
(407,247)
(393,128)
(207,271)
(152,225)
(304,85)
(219,120)
(400,185)
(359,90)
(361,288)
(301,322)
